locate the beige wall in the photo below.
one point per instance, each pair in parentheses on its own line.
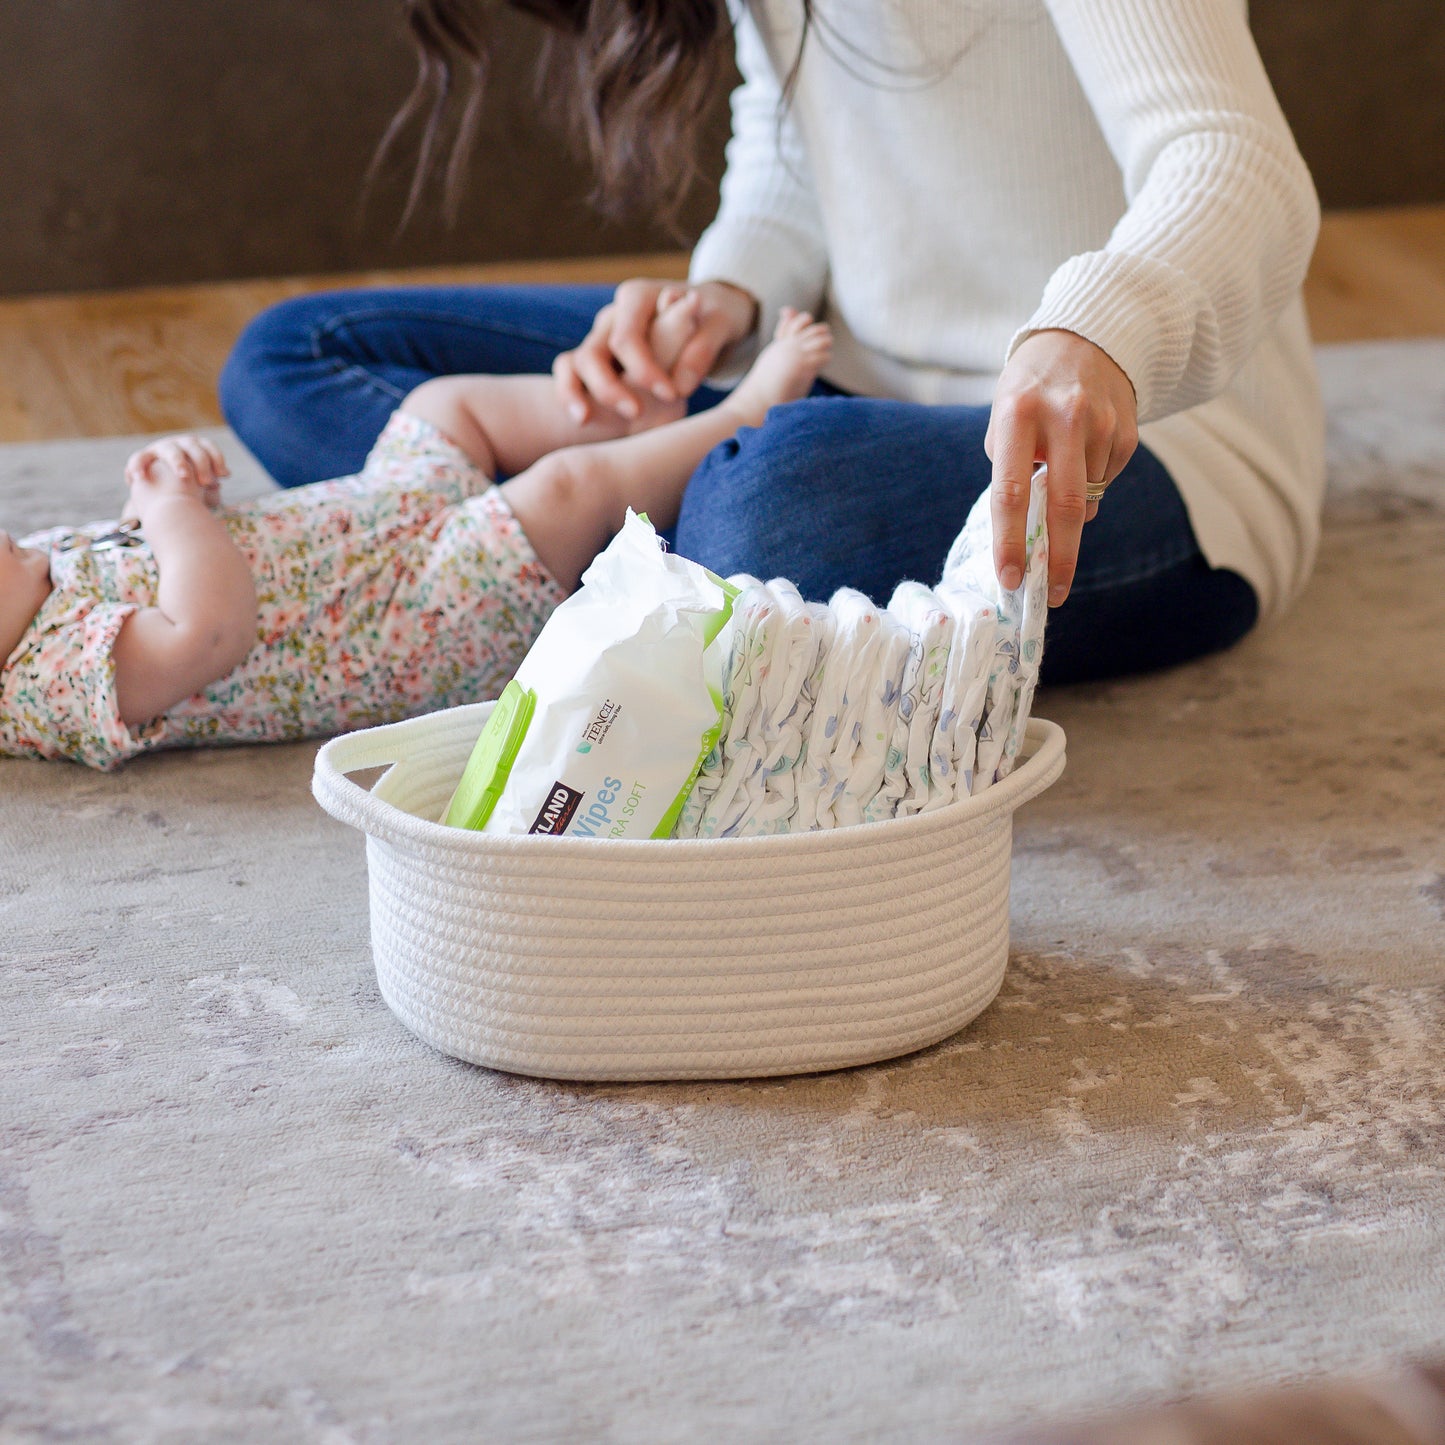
(162,141)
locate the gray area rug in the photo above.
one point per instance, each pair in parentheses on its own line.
(1198,1141)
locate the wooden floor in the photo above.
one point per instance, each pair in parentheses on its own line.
(102,363)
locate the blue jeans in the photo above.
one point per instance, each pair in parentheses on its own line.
(832,491)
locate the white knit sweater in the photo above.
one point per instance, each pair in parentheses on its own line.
(951,175)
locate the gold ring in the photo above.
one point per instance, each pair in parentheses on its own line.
(1094,491)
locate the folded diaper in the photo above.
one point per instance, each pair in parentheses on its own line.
(931,625)
(970,664)
(833,733)
(850,713)
(722,783)
(1035,617)
(1013,669)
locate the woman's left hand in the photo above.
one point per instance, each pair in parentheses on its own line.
(1064,401)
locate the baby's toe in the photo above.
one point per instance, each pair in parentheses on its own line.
(792,322)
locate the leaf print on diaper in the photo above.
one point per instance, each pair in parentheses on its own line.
(718,792)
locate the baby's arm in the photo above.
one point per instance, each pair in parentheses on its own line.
(204,622)
(506,423)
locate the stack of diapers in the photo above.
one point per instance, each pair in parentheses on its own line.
(848,713)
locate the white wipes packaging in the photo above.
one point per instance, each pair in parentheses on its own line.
(603,729)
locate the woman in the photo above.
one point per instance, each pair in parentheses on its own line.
(1071,231)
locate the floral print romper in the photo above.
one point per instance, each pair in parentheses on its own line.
(406,588)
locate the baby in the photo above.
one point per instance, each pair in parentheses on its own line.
(418,584)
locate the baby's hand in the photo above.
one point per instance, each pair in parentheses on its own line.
(176,466)
(678,316)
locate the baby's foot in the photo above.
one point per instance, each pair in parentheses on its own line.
(673,327)
(786,367)
(675,324)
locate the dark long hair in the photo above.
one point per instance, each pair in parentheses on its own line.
(630,78)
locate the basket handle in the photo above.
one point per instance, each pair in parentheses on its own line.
(376,747)
(1047,756)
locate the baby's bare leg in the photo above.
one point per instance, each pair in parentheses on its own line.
(506,423)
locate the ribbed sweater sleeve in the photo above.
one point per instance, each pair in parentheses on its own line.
(1222,215)
(768,235)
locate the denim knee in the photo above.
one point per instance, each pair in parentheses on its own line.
(783,458)
(303,410)
(279,336)
(799,497)
(739,497)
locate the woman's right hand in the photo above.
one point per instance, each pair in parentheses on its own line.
(615,364)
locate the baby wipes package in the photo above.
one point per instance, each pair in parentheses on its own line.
(603,730)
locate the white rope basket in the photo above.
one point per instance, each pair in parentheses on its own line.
(580,958)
